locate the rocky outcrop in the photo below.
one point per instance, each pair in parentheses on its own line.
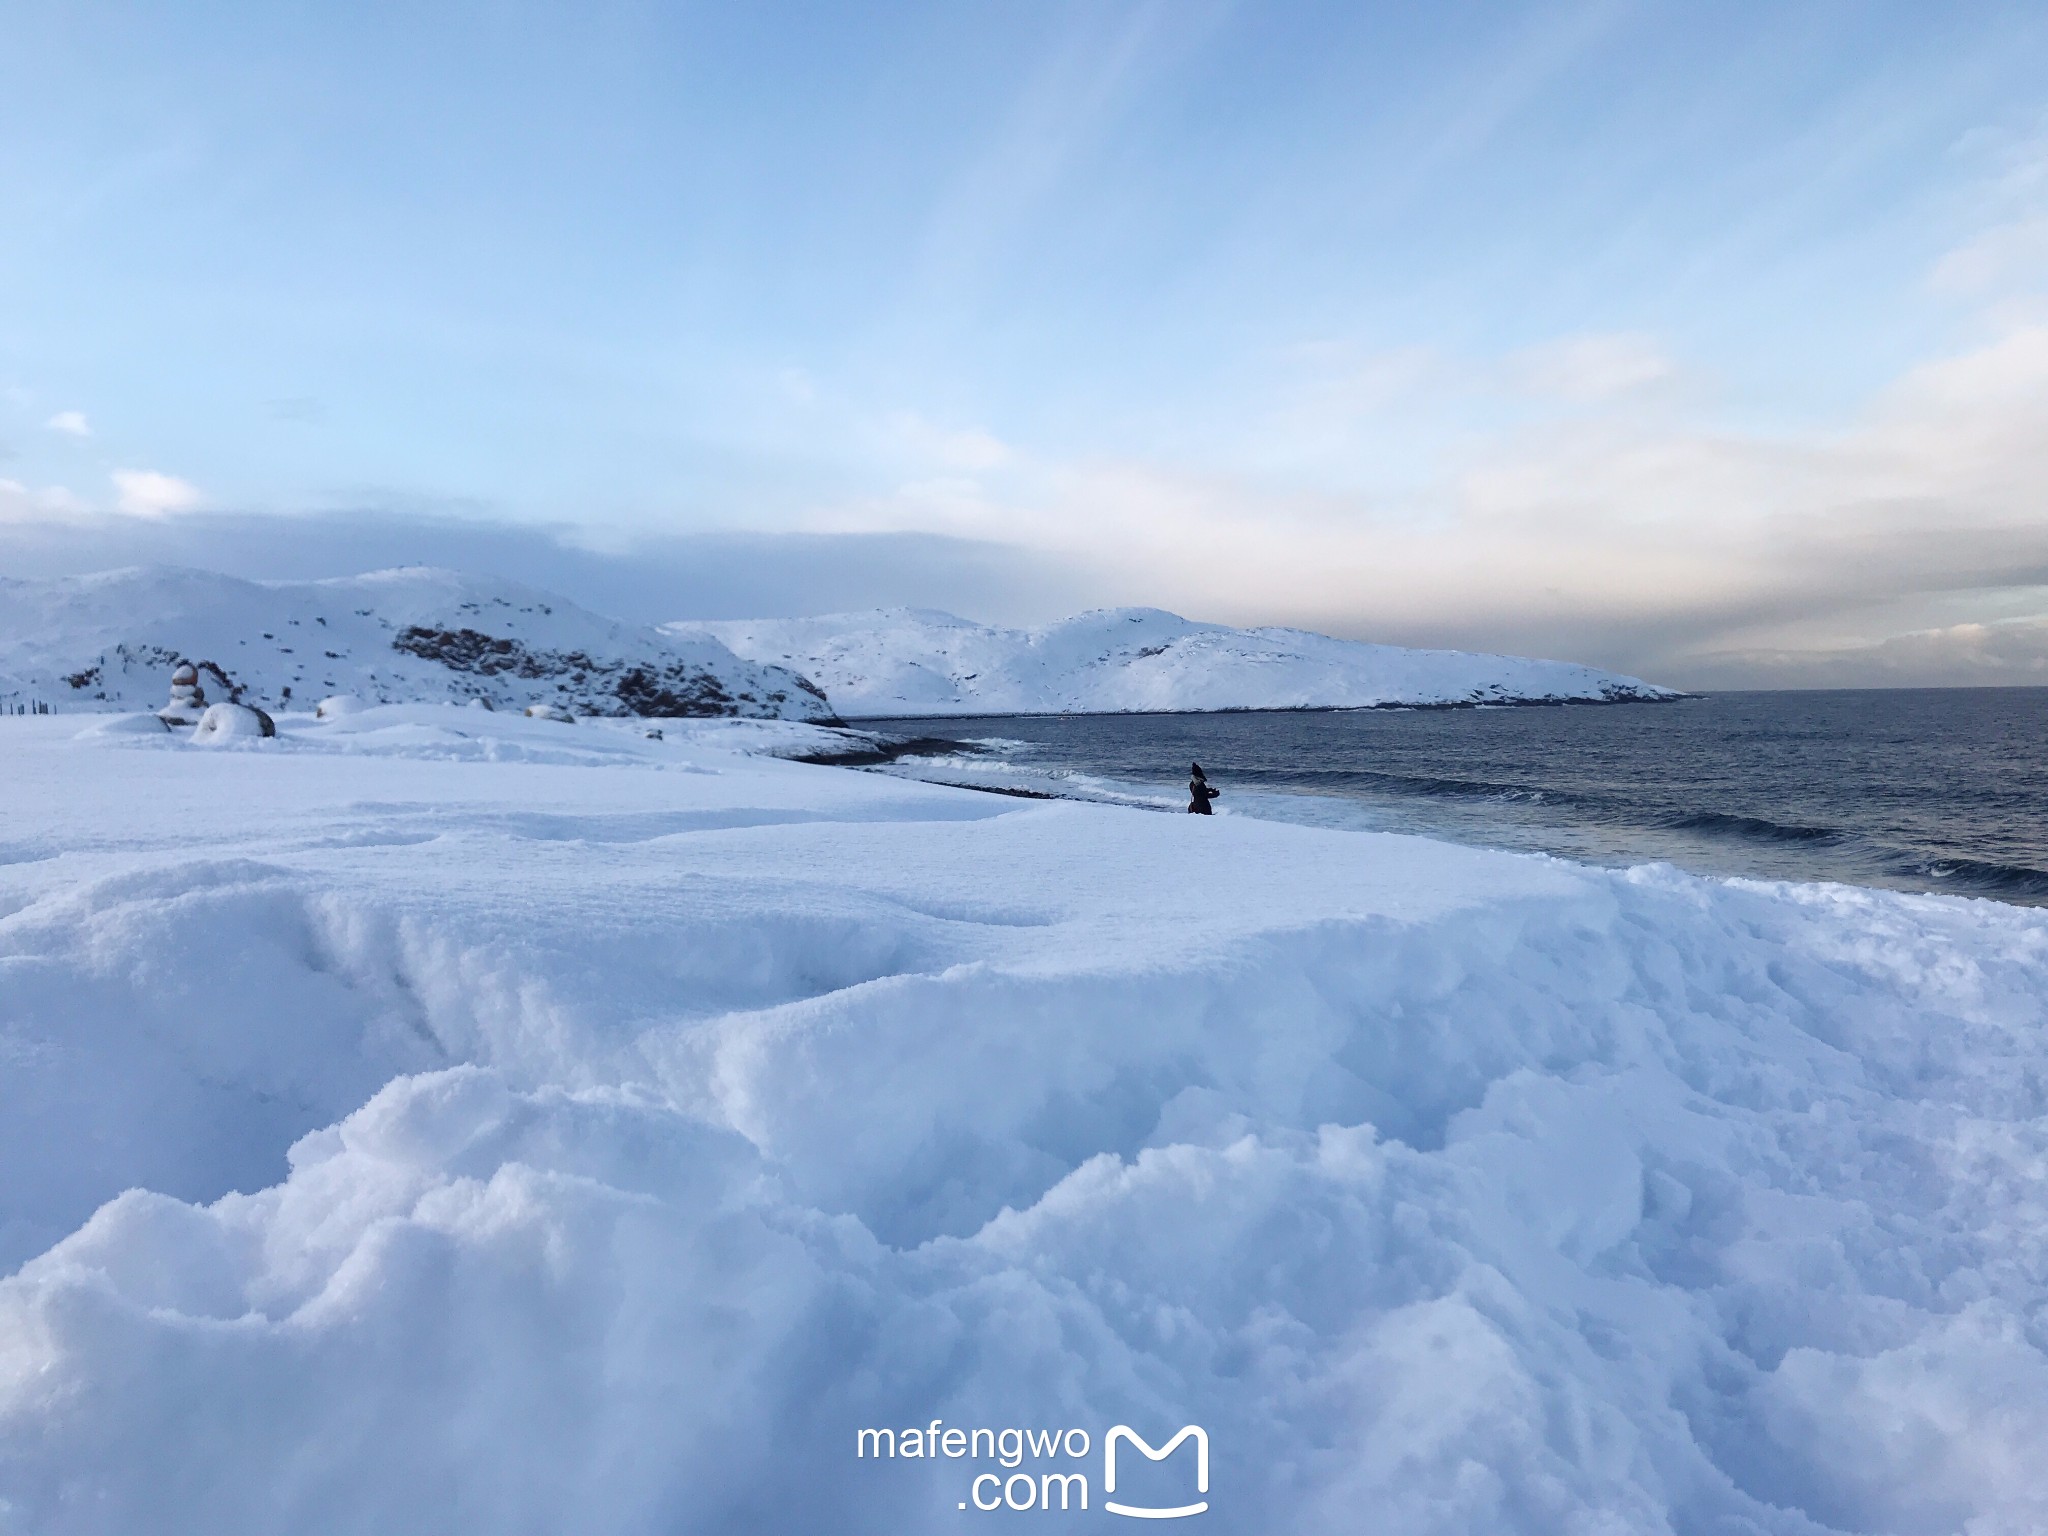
(601,685)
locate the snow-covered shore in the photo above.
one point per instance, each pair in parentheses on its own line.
(909,661)
(620,1125)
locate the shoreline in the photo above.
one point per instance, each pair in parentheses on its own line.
(1673,697)
(1720,834)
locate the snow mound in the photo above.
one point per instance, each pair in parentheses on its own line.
(223,723)
(110,641)
(146,725)
(445,732)
(904,661)
(559,1149)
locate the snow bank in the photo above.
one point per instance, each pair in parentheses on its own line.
(613,1146)
(904,661)
(225,723)
(110,641)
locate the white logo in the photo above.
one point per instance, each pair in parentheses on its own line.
(1125,1432)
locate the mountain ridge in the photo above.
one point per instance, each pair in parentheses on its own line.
(415,633)
(927,662)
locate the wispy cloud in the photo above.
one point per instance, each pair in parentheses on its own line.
(2008,255)
(1513,67)
(970,449)
(71,423)
(1065,105)
(300,408)
(152,493)
(22,504)
(1593,367)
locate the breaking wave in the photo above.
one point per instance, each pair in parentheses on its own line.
(1983,877)
(1754,828)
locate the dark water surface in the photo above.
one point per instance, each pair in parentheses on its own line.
(1913,789)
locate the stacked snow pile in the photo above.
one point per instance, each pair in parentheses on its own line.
(906,661)
(108,641)
(188,697)
(614,1147)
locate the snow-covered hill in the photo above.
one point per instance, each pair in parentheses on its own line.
(109,641)
(906,661)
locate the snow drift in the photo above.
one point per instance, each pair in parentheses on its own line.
(904,661)
(441,1111)
(110,641)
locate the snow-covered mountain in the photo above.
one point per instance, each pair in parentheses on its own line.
(907,661)
(109,641)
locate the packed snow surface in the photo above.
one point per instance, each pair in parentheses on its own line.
(110,641)
(437,1119)
(908,661)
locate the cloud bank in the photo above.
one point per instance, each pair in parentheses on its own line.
(1626,537)
(646,579)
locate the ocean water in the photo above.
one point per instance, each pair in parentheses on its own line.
(1911,789)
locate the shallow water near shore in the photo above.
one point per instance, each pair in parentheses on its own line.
(1942,790)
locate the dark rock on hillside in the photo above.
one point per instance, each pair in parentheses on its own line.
(601,685)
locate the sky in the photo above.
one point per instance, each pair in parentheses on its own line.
(1708,341)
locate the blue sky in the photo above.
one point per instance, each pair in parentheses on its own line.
(1701,336)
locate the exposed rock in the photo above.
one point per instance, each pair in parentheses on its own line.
(603,685)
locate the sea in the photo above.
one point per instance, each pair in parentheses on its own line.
(1941,790)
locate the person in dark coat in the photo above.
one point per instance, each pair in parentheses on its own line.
(1199,793)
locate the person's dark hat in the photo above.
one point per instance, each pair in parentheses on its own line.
(1197,773)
